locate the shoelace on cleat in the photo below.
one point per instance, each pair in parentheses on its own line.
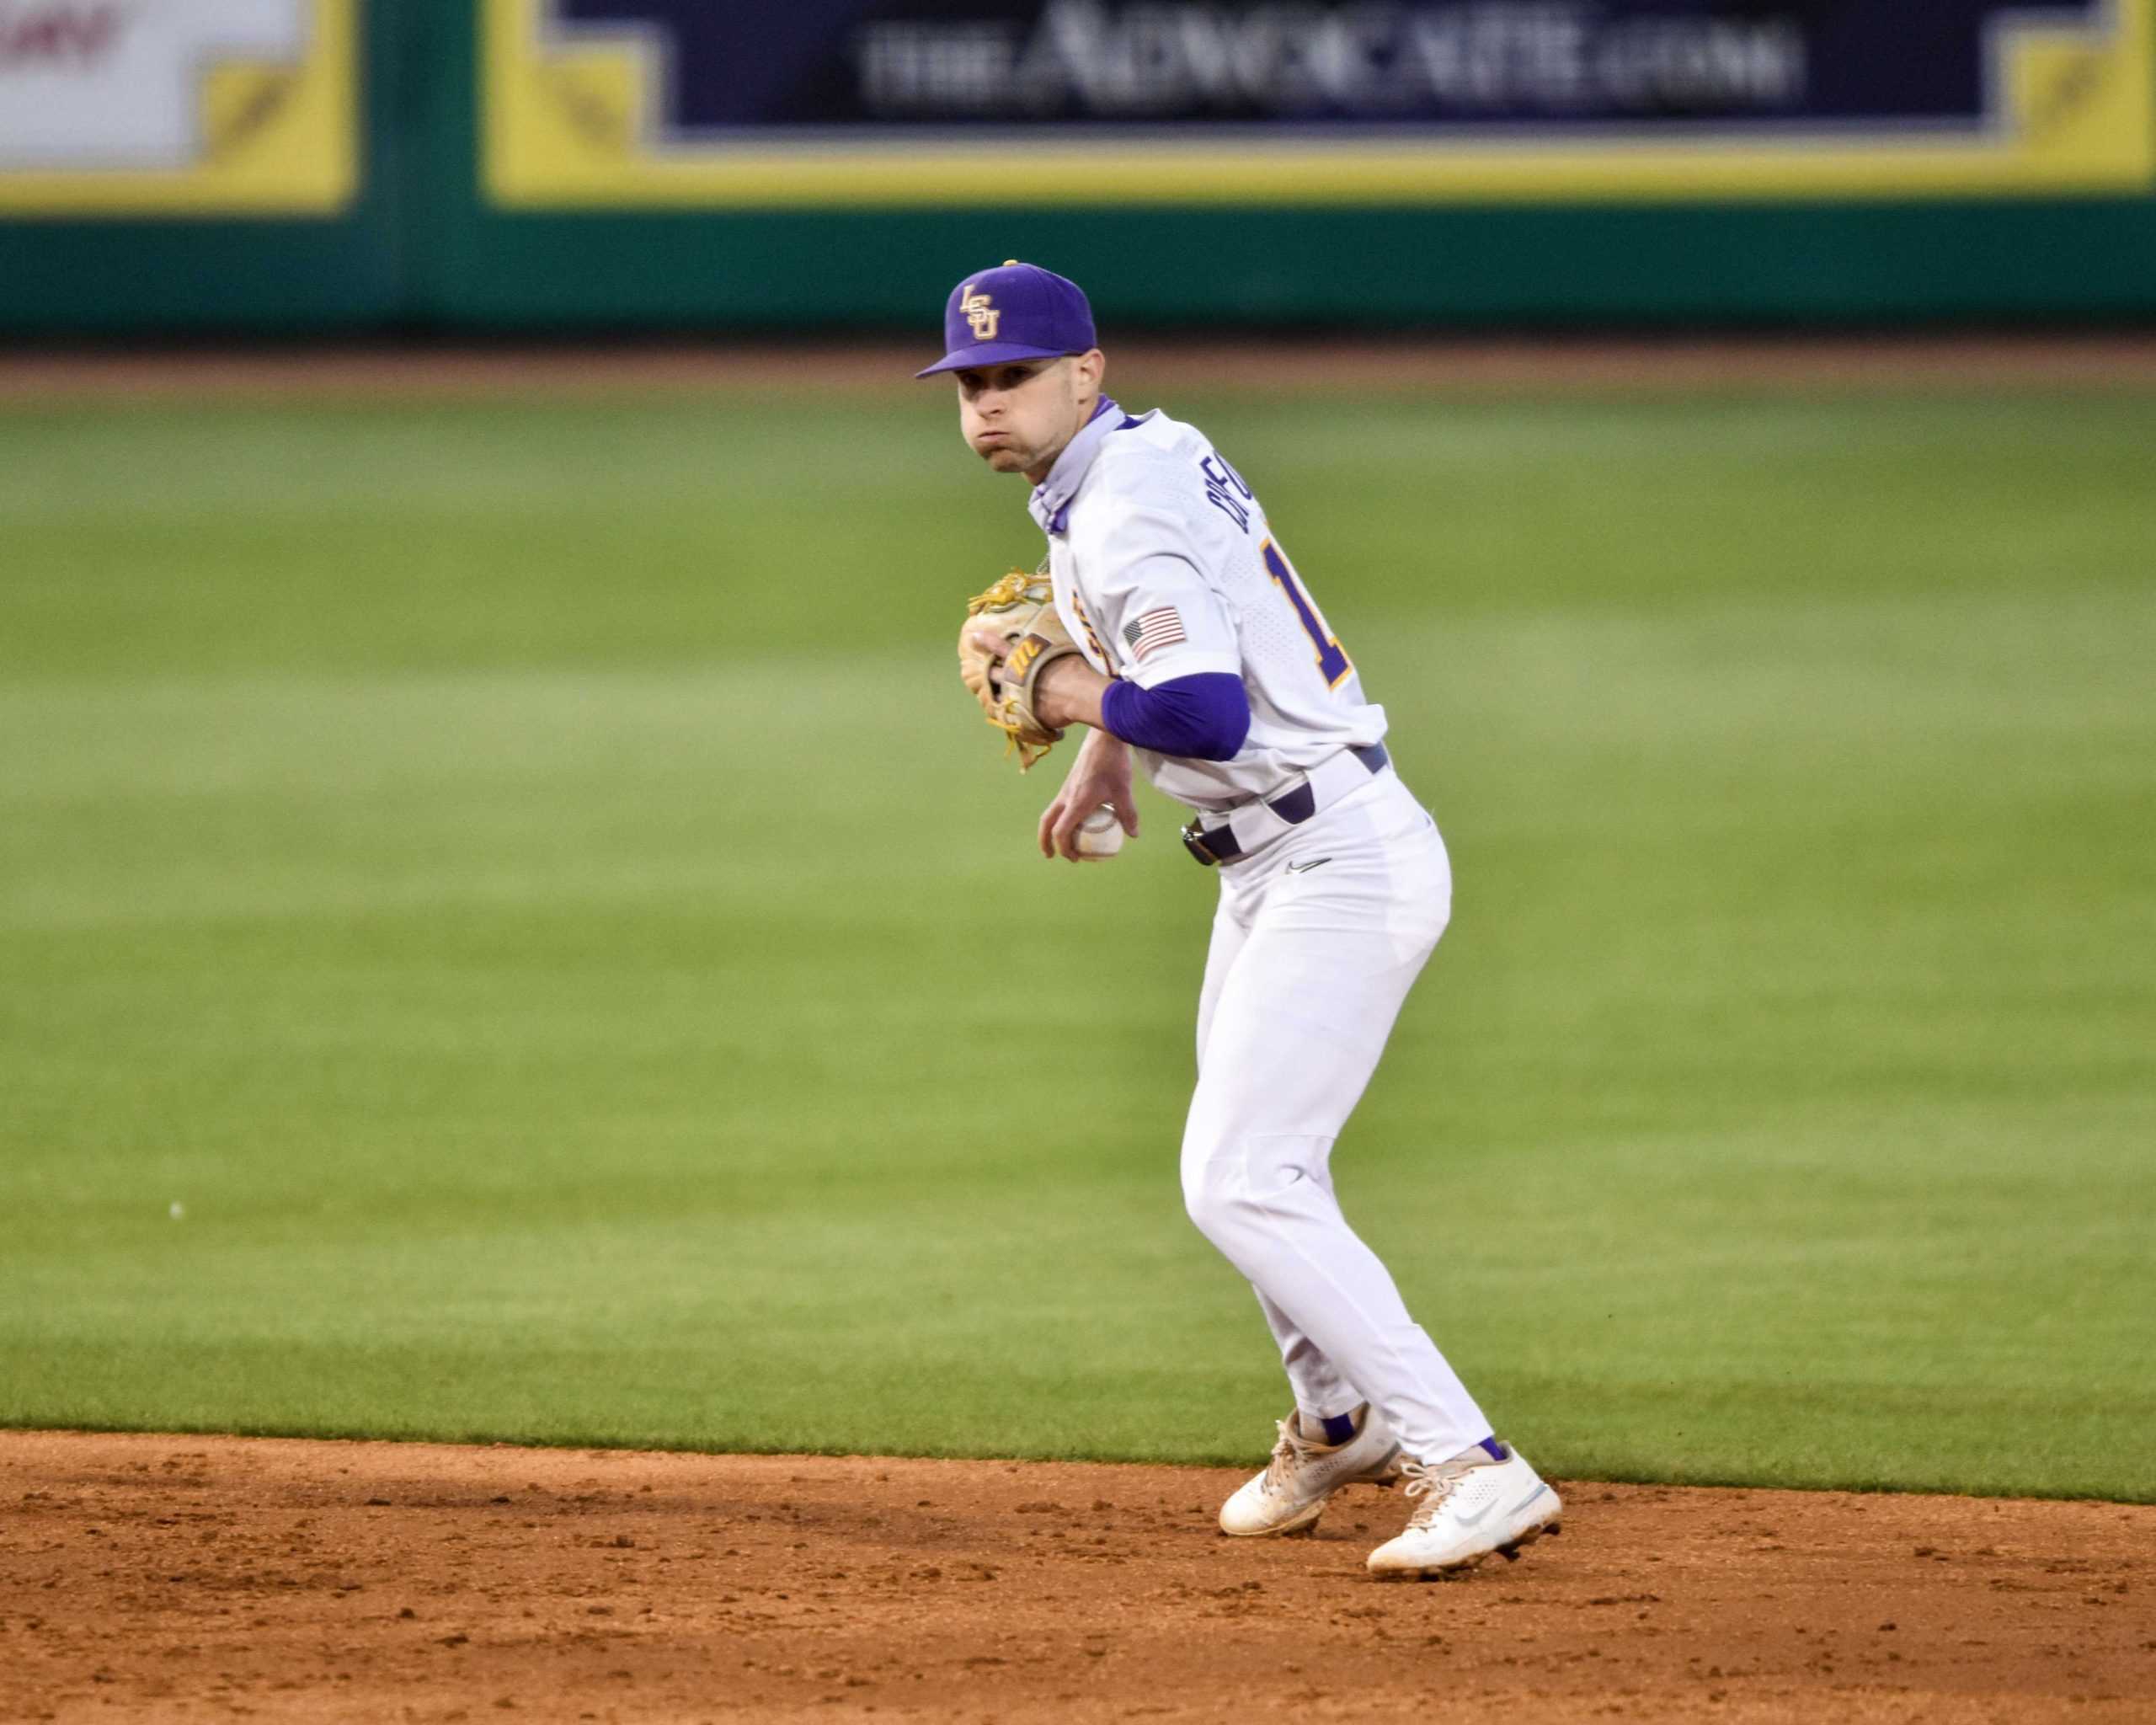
(1434,1482)
(1287,1454)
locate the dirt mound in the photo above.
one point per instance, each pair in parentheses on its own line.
(190,1577)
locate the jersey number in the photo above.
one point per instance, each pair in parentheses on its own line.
(1331,661)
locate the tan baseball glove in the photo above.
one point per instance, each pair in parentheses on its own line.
(1019,610)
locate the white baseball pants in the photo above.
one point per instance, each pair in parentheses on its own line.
(1318,938)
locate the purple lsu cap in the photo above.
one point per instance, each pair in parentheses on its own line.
(1017,312)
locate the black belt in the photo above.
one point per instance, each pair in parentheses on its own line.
(1295,807)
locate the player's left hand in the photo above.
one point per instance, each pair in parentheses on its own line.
(1100,774)
(988,646)
(1068,692)
(1010,639)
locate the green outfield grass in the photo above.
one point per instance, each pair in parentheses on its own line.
(525,881)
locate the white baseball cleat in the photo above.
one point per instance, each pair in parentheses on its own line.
(1291,1493)
(1471,1506)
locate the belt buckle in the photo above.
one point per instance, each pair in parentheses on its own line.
(1193,840)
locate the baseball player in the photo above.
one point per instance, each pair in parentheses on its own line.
(1192,649)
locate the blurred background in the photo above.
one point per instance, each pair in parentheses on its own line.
(319,165)
(508,928)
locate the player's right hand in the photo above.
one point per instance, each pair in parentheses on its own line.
(1100,774)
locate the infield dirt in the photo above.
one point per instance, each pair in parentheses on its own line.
(193,1578)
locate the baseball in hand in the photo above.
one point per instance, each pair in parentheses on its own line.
(1100,834)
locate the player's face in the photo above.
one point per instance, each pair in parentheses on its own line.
(1017,417)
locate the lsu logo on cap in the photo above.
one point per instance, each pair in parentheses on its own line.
(978,313)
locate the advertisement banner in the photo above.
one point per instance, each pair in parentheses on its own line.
(701,103)
(179,107)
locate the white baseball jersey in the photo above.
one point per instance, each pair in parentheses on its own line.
(1164,566)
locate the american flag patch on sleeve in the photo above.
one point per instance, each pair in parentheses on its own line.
(1157,628)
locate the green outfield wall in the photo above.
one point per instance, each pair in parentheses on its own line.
(349,165)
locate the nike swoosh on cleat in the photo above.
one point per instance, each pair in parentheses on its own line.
(1478,1519)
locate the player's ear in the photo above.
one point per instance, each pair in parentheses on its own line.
(1091,366)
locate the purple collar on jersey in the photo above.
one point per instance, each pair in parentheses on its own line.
(1050,503)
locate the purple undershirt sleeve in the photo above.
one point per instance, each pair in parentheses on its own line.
(1203,716)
